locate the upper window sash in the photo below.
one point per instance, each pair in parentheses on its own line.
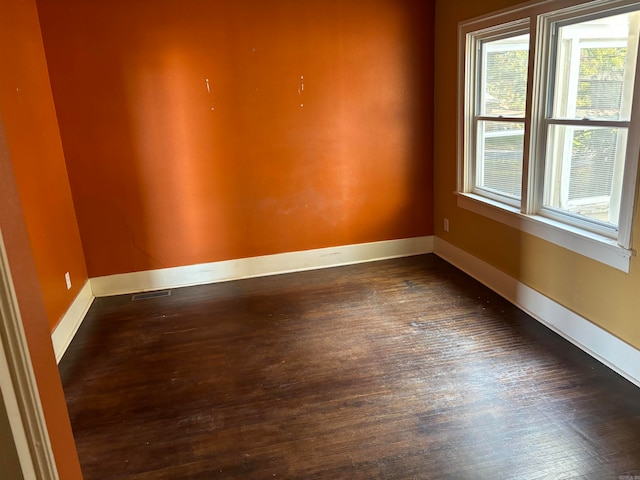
(550,113)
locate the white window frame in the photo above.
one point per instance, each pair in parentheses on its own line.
(503,31)
(606,245)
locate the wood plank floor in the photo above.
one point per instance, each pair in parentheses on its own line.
(400,369)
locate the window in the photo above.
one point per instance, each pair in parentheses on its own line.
(502,90)
(547,106)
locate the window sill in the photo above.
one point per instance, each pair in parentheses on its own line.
(591,245)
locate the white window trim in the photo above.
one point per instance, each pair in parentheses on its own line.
(600,247)
(592,245)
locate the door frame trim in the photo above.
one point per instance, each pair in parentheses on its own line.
(19,389)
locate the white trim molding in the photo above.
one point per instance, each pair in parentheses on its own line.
(18,386)
(225,271)
(588,244)
(258,266)
(597,342)
(69,324)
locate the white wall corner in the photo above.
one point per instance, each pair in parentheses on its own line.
(597,342)
(259,266)
(69,324)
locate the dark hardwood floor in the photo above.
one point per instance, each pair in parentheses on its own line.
(400,369)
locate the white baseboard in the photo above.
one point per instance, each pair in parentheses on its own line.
(258,266)
(66,329)
(227,270)
(597,342)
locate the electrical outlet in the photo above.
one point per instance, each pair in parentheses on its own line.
(67,278)
(446,224)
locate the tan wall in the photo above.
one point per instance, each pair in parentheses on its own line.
(603,295)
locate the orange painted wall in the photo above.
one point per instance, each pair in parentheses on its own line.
(197,131)
(36,212)
(34,317)
(26,105)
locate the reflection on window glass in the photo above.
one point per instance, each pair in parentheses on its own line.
(582,175)
(504,76)
(593,71)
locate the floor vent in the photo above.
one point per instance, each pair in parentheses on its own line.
(147,295)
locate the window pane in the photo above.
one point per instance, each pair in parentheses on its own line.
(584,173)
(499,159)
(594,75)
(503,76)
